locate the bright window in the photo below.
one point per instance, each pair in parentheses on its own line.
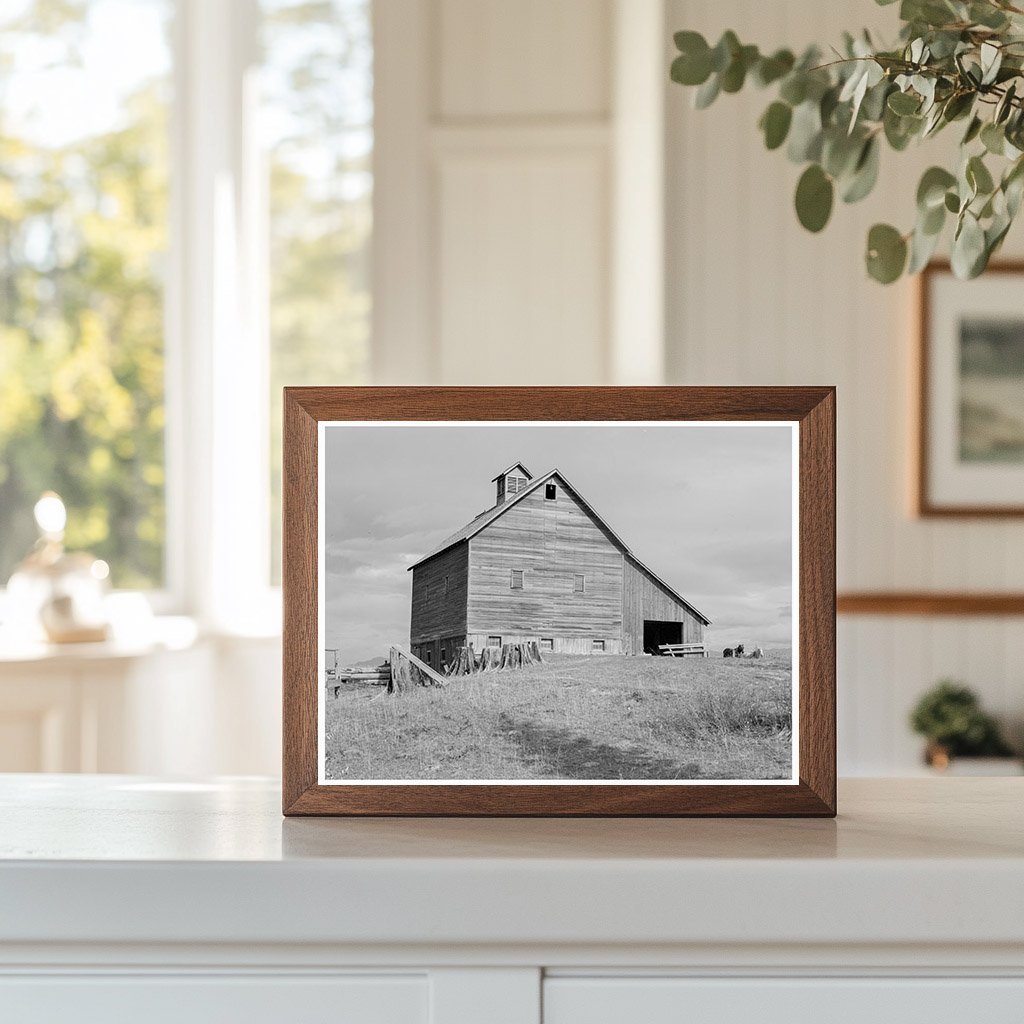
(516,581)
(84,170)
(578,583)
(597,645)
(317,121)
(223,147)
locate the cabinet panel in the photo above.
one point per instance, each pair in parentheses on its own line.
(782,1001)
(216,1000)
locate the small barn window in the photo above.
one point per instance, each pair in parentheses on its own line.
(550,491)
(446,585)
(579,583)
(516,579)
(428,656)
(494,641)
(547,643)
(597,645)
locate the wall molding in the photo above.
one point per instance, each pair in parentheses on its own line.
(928,603)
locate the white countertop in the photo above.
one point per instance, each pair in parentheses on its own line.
(122,859)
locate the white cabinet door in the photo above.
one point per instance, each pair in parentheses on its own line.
(205,999)
(782,1001)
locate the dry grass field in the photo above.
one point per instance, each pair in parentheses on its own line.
(604,717)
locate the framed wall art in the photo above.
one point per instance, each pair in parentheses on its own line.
(559,601)
(970,445)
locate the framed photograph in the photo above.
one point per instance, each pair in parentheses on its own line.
(970,450)
(559,601)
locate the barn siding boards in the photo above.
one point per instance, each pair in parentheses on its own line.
(550,541)
(562,644)
(440,652)
(436,614)
(643,597)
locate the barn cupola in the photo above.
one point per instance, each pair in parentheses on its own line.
(509,482)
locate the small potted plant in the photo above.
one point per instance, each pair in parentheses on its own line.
(950,718)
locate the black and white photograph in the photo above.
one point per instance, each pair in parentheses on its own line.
(538,602)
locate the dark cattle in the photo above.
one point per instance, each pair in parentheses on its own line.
(727,653)
(738,652)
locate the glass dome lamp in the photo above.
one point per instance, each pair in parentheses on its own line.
(56,595)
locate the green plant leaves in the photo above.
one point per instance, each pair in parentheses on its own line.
(978,176)
(814,196)
(969,253)
(932,189)
(693,65)
(957,60)
(904,103)
(805,133)
(886,254)
(865,173)
(775,122)
(771,69)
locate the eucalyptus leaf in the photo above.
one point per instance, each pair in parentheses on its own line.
(814,196)
(973,130)
(794,88)
(978,176)
(987,15)
(904,103)
(1005,105)
(968,248)
(922,248)
(886,253)
(707,93)
(993,138)
(805,133)
(771,69)
(991,60)
(775,124)
(931,190)
(865,174)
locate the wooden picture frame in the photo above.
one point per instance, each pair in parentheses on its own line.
(811,411)
(939,490)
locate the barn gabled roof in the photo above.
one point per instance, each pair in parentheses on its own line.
(483,520)
(508,469)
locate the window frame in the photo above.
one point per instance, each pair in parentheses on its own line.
(582,579)
(513,573)
(598,646)
(497,638)
(550,492)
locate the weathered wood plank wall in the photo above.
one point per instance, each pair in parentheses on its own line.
(644,598)
(550,541)
(434,612)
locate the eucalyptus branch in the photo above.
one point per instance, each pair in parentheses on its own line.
(955,59)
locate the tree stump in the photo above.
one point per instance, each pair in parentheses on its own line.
(408,671)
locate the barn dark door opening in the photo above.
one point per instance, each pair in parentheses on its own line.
(657,632)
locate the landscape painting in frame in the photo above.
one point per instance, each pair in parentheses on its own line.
(570,602)
(972,393)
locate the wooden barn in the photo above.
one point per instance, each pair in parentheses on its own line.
(542,565)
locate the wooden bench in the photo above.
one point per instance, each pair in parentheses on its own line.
(682,650)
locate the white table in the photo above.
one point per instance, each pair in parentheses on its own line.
(125,898)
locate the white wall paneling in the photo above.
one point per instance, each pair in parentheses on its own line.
(514,169)
(751,298)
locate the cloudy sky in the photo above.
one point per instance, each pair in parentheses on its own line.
(708,508)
